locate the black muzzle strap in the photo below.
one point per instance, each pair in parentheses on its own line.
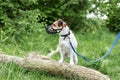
(57,30)
(51,30)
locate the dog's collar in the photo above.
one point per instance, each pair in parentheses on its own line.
(65,36)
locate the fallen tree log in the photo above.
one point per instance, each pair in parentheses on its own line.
(37,62)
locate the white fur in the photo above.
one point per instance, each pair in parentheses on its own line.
(65,48)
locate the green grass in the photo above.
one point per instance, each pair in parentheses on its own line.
(92,45)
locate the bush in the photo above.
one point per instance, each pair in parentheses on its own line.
(114,18)
(23,17)
(20,18)
(71,11)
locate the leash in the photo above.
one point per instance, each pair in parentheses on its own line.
(99,59)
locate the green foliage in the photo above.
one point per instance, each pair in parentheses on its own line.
(19,18)
(114,17)
(72,11)
(94,24)
(110,9)
(23,17)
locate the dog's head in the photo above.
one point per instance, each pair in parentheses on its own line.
(56,27)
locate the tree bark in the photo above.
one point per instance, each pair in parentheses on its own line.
(39,62)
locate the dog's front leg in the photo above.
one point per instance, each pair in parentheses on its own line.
(75,58)
(62,56)
(53,52)
(72,58)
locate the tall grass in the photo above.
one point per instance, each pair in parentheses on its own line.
(91,45)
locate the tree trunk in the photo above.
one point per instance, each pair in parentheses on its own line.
(43,63)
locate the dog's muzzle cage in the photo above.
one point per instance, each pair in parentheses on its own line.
(50,30)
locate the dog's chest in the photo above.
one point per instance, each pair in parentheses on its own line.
(64,43)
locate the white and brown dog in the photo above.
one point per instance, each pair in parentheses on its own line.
(66,35)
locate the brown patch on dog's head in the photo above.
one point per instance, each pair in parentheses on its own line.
(59,24)
(56,27)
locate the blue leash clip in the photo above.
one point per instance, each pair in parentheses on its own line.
(99,59)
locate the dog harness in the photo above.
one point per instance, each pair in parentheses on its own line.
(65,36)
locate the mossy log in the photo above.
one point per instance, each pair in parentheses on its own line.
(39,62)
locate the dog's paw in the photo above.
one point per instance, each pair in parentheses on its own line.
(72,63)
(60,61)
